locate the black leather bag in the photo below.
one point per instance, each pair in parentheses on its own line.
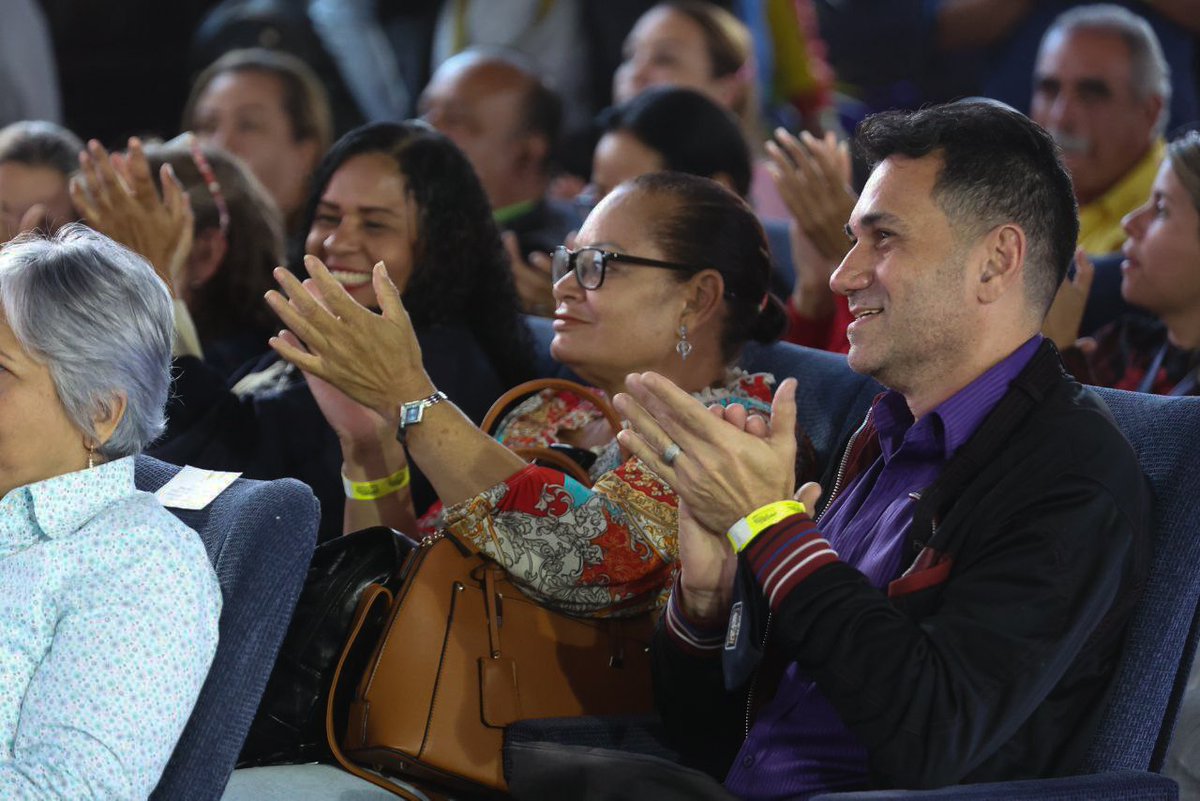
(289,727)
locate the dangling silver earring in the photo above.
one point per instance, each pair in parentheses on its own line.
(683,346)
(91,457)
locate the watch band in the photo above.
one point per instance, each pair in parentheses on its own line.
(413,412)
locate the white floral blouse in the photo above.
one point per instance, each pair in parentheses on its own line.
(108,625)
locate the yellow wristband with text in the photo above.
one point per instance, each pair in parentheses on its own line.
(379,488)
(743,532)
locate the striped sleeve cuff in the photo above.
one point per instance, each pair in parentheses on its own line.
(691,636)
(786,554)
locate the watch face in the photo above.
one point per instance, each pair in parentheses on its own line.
(411,414)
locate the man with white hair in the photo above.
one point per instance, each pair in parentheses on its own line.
(1101,87)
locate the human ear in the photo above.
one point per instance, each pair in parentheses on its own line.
(106,419)
(1003,266)
(705,290)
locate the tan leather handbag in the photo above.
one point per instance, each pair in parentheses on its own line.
(463,654)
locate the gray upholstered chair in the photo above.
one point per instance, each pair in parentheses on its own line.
(260,537)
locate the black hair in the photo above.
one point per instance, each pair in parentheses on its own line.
(37,143)
(460,271)
(706,225)
(998,166)
(690,132)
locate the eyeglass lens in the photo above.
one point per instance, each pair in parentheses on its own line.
(588,264)
(560,263)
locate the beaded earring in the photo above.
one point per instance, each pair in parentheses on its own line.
(683,346)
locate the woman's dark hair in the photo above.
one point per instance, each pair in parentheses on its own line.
(231,302)
(702,223)
(304,99)
(691,133)
(461,274)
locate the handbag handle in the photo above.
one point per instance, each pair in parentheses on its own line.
(521,391)
(373,594)
(548,456)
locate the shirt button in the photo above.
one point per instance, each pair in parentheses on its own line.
(748,761)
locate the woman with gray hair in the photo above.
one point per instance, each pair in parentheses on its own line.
(108,604)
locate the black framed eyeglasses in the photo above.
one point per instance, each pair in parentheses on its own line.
(589,264)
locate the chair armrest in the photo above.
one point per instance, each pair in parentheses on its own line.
(1125,785)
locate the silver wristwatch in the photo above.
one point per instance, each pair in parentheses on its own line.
(413,412)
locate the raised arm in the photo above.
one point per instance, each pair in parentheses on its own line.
(375,359)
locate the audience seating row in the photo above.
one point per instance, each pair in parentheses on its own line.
(260,536)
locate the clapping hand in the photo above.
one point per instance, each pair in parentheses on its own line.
(116,196)
(813,178)
(707,560)
(722,472)
(373,358)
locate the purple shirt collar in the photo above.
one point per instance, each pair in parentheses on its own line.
(948,426)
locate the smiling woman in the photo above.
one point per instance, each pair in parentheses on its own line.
(364,216)
(405,196)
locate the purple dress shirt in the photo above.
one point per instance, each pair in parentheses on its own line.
(798,745)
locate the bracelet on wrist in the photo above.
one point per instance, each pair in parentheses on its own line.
(378,488)
(743,532)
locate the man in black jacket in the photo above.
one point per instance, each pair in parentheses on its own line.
(956,611)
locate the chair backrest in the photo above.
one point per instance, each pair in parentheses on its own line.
(1155,663)
(260,537)
(830,403)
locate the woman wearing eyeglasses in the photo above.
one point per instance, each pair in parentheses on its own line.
(670,274)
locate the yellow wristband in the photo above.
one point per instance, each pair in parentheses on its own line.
(379,488)
(743,532)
